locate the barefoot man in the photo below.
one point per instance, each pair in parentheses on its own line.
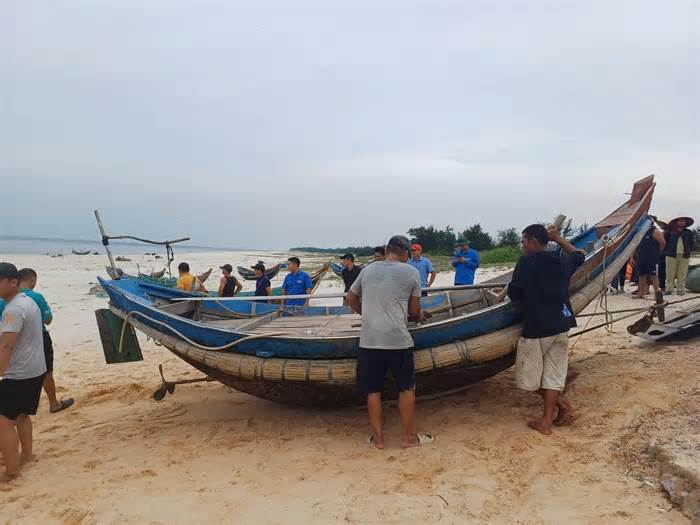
(386,293)
(22,370)
(540,290)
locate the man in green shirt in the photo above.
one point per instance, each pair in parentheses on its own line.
(27,283)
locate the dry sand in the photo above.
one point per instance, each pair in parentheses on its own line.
(210,454)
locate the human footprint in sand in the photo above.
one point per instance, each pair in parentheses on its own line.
(386,293)
(540,290)
(22,370)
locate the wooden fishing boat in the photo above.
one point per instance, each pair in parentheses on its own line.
(81,252)
(249,274)
(311,359)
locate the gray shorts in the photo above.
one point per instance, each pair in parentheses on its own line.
(542,362)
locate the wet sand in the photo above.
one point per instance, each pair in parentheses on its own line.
(210,454)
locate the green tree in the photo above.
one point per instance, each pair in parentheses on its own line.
(478,238)
(508,237)
(433,239)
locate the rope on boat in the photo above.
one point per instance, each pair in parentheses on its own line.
(602,301)
(190,341)
(635,311)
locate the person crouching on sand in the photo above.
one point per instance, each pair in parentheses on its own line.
(386,293)
(540,290)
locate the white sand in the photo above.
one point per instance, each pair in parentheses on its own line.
(209,454)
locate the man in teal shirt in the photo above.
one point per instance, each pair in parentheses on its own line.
(27,283)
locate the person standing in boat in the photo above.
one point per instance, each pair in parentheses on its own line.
(679,244)
(465,262)
(22,371)
(386,294)
(539,289)
(263,286)
(228,285)
(350,270)
(650,248)
(296,282)
(188,282)
(379,253)
(423,265)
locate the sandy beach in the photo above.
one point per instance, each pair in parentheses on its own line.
(208,454)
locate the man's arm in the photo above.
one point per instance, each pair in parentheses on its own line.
(7,343)
(659,237)
(516,287)
(308,292)
(239,287)
(473,260)
(457,260)
(433,274)
(222,285)
(354,302)
(555,236)
(415,312)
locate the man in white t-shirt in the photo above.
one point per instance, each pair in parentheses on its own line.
(386,293)
(22,370)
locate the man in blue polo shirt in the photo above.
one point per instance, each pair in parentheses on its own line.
(465,262)
(296,282)
(423,265)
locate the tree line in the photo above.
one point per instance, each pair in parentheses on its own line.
(442,241)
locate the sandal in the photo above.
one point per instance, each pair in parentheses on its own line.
(423,439)
(65,403)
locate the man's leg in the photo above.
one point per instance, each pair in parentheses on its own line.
(544,425)
(50,389)
(643,288)
(407,411)
(376,420)
(655,283)
(24,432)
(9,446)
(682,273)
(670,274)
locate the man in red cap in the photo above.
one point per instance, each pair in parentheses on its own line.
(423,265)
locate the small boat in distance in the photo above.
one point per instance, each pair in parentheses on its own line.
(81,252)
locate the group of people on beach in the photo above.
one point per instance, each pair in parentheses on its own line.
(387,295)
(26,364)
(662,258)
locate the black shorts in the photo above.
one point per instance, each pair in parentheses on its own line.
(20,396)
(48,351)
(647,267)
(373,364)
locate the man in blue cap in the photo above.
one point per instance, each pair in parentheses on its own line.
(465,262)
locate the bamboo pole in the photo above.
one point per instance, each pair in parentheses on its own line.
(105,243)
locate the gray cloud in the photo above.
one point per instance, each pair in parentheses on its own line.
(270,125)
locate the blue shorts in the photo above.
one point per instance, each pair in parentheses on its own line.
(373,364)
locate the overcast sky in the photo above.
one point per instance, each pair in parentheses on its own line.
(274,124)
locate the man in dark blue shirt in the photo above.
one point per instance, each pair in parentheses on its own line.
(540,290)
(263,286)
(296,282)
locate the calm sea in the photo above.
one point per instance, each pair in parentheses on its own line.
(65,246)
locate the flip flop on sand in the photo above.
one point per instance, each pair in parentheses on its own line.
(423,439)
(65,403)
(372,441)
